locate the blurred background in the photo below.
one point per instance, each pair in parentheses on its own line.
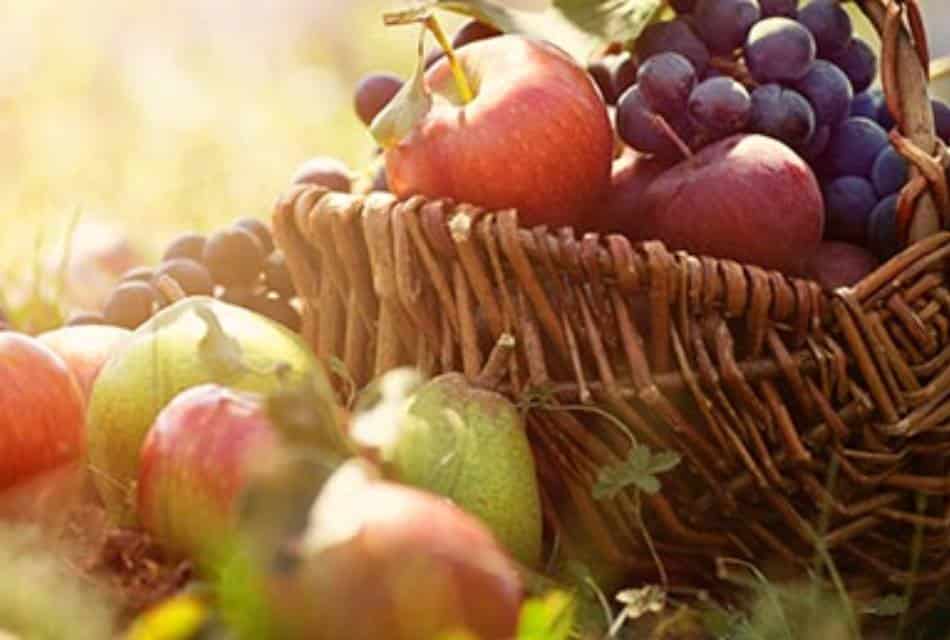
(158,116)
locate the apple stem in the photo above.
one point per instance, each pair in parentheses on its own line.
(461,80)
(670,132)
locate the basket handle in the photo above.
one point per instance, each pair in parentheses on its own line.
(924,204)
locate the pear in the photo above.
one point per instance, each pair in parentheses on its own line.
(462,442)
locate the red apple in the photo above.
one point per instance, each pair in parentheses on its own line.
(749,198)
(194,464)
(839,264)
(620,212)
(381,561)
(536,135)
(85,349)
(41,410)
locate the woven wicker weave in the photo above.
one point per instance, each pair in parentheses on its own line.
(799,413)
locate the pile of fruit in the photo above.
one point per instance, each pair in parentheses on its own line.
(740,129)
(739,121)
(238,264)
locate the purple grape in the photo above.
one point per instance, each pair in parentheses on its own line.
(636,125)
(683,6)
(187,245)
(882,232)
(854,146)
(676,36)
(724,24)
(779,8)
(889,172)
(624,73)
(858,62)
(613,74)
(130,304)
(666,80)
(373,93)
(191,276)
(941,119)
(866,104)
(816,145)
(848,204)
(783,114)
(829,23)
(720,106)
(779,49)
(80,318)
(829,91)
(473,31)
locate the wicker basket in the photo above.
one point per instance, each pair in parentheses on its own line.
(800,414)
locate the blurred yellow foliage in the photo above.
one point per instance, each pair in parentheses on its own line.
(178,114)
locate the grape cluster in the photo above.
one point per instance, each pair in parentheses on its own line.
(799,75)
(238,264)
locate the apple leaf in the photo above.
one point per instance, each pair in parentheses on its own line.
(407,108)
(638,470)
(577,26)
(610,20)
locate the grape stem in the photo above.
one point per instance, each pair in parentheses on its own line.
(670,132)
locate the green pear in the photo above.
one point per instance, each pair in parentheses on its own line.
(467,444)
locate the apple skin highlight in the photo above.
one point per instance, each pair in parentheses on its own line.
(536,137)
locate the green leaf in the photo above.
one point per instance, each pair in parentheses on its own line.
(577,26)
(547,618)
(610,20)
(886,606)
(407,108)
(639,470)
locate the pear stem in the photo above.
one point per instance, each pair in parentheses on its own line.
(461,80)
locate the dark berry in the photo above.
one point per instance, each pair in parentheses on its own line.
(260,230)
(138,274)
(324,171)
(130,304)
(84,318)
(191,276)
(473,31)
(277,310)
(277,276)
(187,245)
(373,93)
(234,257)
